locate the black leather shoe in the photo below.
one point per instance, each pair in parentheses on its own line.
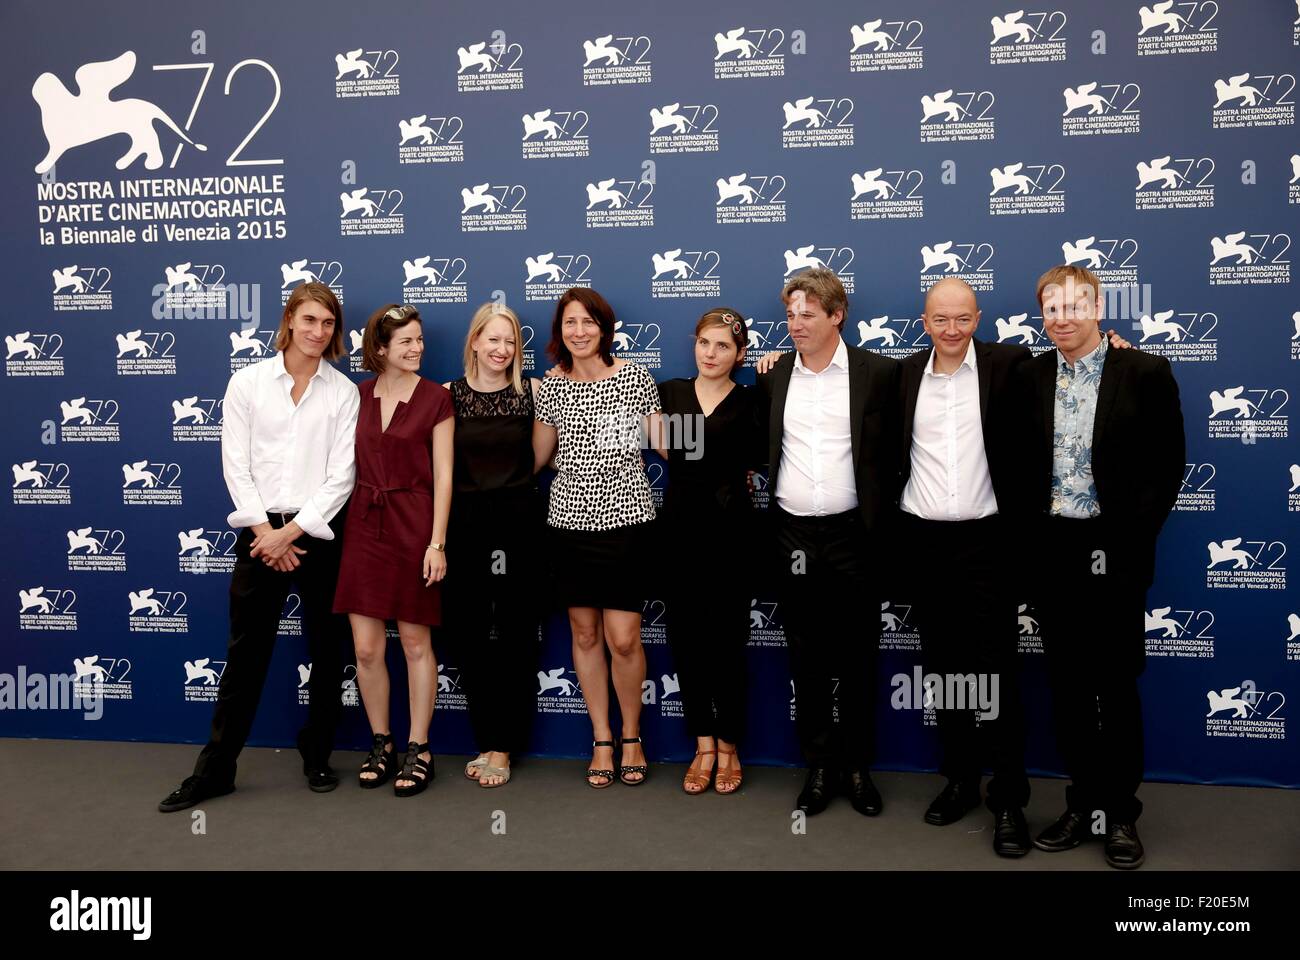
(192,791)
(1123,848)
(322,780)
(320,777)
(953,802)
(863,793)
(817,791)
(1070,830)
(1011,833)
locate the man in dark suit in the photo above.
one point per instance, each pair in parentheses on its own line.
(830,412)
(1106,466)
(964,420)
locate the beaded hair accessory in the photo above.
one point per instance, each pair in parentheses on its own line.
(736,326)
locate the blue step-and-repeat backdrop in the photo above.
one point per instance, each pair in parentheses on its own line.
(174,169)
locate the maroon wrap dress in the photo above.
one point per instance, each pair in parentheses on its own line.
(390,515)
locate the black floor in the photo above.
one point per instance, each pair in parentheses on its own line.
(92,805)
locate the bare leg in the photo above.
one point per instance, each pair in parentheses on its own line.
(369,642)
(623,636)
(593,676)
(422,671)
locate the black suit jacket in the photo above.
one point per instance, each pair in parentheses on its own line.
(873,423)
(1004,416)
(1138,452)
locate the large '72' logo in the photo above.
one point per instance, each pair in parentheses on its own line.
(234,160)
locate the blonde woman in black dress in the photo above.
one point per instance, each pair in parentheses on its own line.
(495,542)
(599,517)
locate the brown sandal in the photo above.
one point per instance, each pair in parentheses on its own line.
(697,778)
(731,779)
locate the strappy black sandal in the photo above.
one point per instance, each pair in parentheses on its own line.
(381,762)
(640,768)
(606,776)
(420,772)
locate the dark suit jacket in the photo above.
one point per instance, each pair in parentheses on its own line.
(1138,452)
(1004,415)
(873,422)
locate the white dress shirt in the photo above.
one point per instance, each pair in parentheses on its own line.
(816,477)
(284,458)
(950,471)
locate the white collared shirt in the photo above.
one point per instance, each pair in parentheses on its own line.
(284,458)
(950,470)
(816,478)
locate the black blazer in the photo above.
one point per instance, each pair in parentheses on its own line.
(1004,416)
(1138,451)
(873,423)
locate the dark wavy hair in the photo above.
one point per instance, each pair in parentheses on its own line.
(381,326)
(599,309)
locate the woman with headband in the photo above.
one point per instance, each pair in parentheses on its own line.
(710,441)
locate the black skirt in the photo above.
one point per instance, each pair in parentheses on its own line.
(606,569)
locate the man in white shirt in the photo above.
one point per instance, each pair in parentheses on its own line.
(965,422)
(286,454)
(830,412)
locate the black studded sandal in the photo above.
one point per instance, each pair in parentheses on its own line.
(640,768)
(381,762)
(420,772)
(606,776)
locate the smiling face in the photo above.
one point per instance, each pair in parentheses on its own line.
(494,348)
(311,329)
(950,318)
(1072,316)
(716,354)
(580,331)
(405,349)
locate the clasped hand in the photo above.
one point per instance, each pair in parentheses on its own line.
(276,548)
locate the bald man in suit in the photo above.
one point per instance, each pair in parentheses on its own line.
(964,424)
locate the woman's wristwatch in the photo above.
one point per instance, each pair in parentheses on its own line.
(440,547)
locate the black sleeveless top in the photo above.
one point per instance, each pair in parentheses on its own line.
(494,438)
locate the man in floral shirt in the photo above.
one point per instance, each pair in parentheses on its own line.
(1106,467)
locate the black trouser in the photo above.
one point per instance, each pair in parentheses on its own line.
(1094,638)
(491,582)
(830,605)
(708,612)
(257,596)
(959,575)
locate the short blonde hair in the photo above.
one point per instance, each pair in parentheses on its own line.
(824,285)
(323,295)
(1066,273)
(482,316)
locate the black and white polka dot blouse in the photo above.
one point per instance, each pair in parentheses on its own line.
(601,482)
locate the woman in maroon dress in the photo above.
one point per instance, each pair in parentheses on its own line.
(394,541)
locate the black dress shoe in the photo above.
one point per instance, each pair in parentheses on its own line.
(191,791)
(817,791)
(1123,848)
(321,780)
(953,802)
(1011,833)
(1070,830)
(863,793)
(320,776)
